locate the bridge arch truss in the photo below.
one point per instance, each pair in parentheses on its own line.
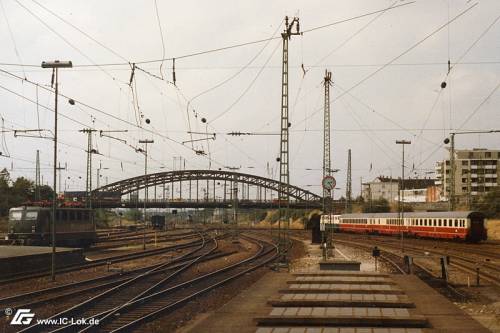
(212,182)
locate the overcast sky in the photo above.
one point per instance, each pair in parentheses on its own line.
(394,89)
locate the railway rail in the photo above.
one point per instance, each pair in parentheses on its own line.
(103,261)
(93,285)
(126,291)
(129,305)
(460,258)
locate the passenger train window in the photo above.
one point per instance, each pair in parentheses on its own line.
(456,223)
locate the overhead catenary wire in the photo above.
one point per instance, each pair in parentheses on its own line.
(98,110)
(229,47)
(406,51)
(65,40)
(161,37)
(11,33)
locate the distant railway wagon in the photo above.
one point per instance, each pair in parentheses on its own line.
(32,225)
(468,226)
(158,221)
(329,221)
(104,197)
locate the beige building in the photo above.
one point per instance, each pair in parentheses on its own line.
(387,188)
(476,171)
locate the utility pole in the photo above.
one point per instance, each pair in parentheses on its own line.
(348,191)
(145,151)
(402,192)
(55,65)
(284,143)
(37,176)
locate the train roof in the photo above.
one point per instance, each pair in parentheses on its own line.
(49,208)
(460,214)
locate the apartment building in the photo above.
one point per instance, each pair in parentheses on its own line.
(476,171)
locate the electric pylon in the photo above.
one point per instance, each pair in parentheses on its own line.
(327,167)
(90,151)
(37,177)
(283,197)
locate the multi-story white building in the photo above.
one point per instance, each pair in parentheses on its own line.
(387,188)
(476,171)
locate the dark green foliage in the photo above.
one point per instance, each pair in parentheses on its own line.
(133,215)
(16,192)
(376,206)
(489,203)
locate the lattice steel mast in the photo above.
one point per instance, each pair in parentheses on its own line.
(37,176)
(283,197)
(348,191)
(90,151)
(327,167)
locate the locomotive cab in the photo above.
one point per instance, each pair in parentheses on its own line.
(31,225)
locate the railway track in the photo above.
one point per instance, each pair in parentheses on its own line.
(91,286)
(129,241)
(150,307)
(127,291)
(132,306)
(489,271)
(103,261)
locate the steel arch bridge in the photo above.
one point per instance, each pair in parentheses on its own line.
(203,188)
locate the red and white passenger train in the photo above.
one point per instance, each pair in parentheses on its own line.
(468,226)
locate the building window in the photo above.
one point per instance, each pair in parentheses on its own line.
(487,154)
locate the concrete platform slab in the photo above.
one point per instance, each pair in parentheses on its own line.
(342,280)
(442,314)
(345,297)
(338,330)
(9,251)
(237,315)
(20,259)
(339,265)
(340,273)
(342,288)
(349,279)
(333,300)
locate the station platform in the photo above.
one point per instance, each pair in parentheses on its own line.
(352,302)
(25,259)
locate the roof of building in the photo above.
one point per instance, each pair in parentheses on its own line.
(410,183)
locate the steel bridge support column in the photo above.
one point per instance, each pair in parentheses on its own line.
(224,190)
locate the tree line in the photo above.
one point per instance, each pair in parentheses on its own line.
(16,192)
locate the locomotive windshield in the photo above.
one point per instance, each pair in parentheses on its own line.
(16,215)
(31,215)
